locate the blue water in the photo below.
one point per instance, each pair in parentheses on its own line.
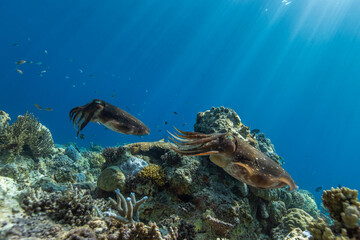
(289,68)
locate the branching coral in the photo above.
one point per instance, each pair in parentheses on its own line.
(73,207)
(26,132)
(127,209)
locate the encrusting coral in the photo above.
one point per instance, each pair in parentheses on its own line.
(26,133)
(127,209)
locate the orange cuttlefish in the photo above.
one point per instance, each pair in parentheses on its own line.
(109,115)
(235,156)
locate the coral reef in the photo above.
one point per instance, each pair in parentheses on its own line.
(189,196)
(26,134)
(74,207)
(220,227)
(4,119)
(112,154)
(72,153)
(38,227)
(344,207)
(153,172)
(127,209)
(110,179)
(294,218)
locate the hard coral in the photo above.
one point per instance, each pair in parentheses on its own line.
(81,233)
(73,207)
(220,227)
(344,208)
(112,154)
(26,133)
(35,227)
(153,172)
(128,210)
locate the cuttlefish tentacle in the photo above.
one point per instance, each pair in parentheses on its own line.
(190,135)
(109,115)
(235,156)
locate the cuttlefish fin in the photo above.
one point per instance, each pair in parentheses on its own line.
(243,165)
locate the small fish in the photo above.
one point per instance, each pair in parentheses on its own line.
(165,123)
(159,130)
(43,71)
(20,62)
(38,63)
(114,95)
(45,51)
(175,113)
(67,77)
(82,136)
(91,75)
(162,140)
(95,91)
(84,83)
(255,131)
(184,124)
(15,44)
(37,106)
(318,189)
(19,71)
(49,109)
(81,71)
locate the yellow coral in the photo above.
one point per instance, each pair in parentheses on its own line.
(153,172)
(344,208)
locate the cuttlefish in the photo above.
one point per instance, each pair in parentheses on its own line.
(238,158)
(109,115)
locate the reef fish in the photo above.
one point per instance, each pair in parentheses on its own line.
(109,115)
(20,62)
(37,106)
(235,156)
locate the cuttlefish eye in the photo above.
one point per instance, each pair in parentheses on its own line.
(228,136)
(97,101)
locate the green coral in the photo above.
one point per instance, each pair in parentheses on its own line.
(26,134)
(153,172)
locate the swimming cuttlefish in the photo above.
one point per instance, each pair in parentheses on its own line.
(235,156)
(109,115)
